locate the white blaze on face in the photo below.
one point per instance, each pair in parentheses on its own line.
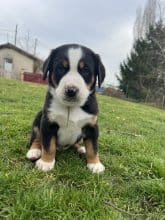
(74,56)
(73,78)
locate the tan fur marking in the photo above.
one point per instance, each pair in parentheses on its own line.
(93,120)
(36,143)
(65,63)
(91,156)
(81,65)
(90,84)
(49,155)
(77,145)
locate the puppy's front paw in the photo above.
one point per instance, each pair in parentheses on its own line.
(33,154)
(96,167)
(45,166)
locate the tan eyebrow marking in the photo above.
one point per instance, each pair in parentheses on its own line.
(65,63)
(81,64)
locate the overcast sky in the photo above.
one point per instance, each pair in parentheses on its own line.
(106,26)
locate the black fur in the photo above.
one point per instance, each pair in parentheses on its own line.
(48,130)
(91,105)
(92,133)
(36,123)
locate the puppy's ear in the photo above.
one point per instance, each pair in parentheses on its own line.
(100,70)
(47,66)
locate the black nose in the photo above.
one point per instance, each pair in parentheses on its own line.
(71,91)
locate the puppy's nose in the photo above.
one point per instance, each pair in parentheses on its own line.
(71,91)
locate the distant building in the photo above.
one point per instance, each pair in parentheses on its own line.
(15,61)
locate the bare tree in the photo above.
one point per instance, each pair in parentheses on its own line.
(154,11)
(146,64)
(137,29)
(149,16)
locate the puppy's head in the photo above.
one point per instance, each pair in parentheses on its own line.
(72,71)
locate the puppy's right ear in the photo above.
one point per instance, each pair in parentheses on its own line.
(47,66)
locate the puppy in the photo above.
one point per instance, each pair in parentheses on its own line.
(70,110)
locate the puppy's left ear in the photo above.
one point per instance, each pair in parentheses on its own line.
(100,70)
(47,66)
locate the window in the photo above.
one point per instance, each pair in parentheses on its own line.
(8,65)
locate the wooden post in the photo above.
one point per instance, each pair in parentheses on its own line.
(35,46)
(163,101)
(15,38)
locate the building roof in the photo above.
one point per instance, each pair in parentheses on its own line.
(19,50)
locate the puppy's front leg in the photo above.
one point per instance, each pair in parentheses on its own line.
(47,160)
(90,142)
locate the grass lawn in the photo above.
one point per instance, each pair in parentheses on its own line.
(132,148)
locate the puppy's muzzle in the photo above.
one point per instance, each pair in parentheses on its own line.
(71,92)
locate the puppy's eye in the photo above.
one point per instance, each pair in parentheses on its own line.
(85,72)
(60,69)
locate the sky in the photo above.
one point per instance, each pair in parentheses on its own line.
(105,26)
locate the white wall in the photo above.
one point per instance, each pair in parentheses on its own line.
(21,63)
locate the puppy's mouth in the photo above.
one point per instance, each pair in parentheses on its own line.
(68,101)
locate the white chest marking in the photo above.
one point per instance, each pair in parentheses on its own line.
(70,122)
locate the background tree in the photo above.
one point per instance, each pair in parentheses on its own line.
(142,74)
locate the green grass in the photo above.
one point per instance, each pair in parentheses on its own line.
(132,148)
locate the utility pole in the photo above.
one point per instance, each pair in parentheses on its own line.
(27,41)
(35,46)
(7,37)
(15,38)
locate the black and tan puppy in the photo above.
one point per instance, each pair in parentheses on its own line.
(70,110)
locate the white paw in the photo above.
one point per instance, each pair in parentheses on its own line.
(45,166)
(96,167)
(81,150)
(33,154)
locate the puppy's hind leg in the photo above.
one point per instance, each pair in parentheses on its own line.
(80,149)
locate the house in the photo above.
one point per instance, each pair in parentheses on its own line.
(15,61)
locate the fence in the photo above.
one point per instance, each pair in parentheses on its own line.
(33,77)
